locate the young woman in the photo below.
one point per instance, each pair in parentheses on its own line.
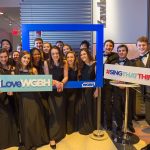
(58,68)
(7,45)
(38,62)
(71,94)
(15,58)
(42,68)
(85,105)
(8,128)
(66,48)
(32,122)
(46,50)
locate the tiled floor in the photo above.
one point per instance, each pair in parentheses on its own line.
(77,141)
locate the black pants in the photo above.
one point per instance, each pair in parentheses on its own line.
(119,106)
(147,111)
(106,107)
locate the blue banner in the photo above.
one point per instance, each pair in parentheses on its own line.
(25,83)
(99,28)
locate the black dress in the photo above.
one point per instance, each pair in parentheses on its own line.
(31,118)
(44,100)
(8,128)
(85,105)
(57,126)
(71,97)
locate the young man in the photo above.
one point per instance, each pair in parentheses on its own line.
(144,61)
(60,44)
(109,57)
(38,43)
(84,44)
(119,94)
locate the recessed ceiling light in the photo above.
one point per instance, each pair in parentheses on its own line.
(1,13)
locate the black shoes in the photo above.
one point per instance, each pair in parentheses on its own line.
(21,147)
(131,129)
(33,148)
(147,147)
(53,145)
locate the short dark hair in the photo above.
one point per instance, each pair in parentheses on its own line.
(60,42)
(38,39)
(110,41)
(122,45)
(11,48)
(86,43)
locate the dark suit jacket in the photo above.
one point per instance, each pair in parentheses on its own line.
(112,58)
(145,89)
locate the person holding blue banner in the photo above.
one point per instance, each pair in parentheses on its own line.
(42,68)
(144,61)
(32,122)
(58,68)
(85,105)
(71,94)
(8,126)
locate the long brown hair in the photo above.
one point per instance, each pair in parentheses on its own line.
(90,57)
(3,50)
(75,64)
(60,61)
(29,66)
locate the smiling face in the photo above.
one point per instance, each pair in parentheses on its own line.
(38,44)
(3,58)
(122,52)
(55,54)
(46,47)
(84,57)
(108,47)
(60,45)
(70,59)
(142,47)
(25,60)
(66,49)
(6,45)
(36,56)
(15,56)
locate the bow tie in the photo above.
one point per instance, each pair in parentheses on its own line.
(122,61)
(106,55)
(145,55)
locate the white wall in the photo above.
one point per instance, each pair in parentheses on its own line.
(125,20)
(9,3)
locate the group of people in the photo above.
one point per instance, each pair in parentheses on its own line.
(113,98)
(32,119)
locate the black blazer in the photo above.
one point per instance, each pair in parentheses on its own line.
(144,88)
(112,58)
